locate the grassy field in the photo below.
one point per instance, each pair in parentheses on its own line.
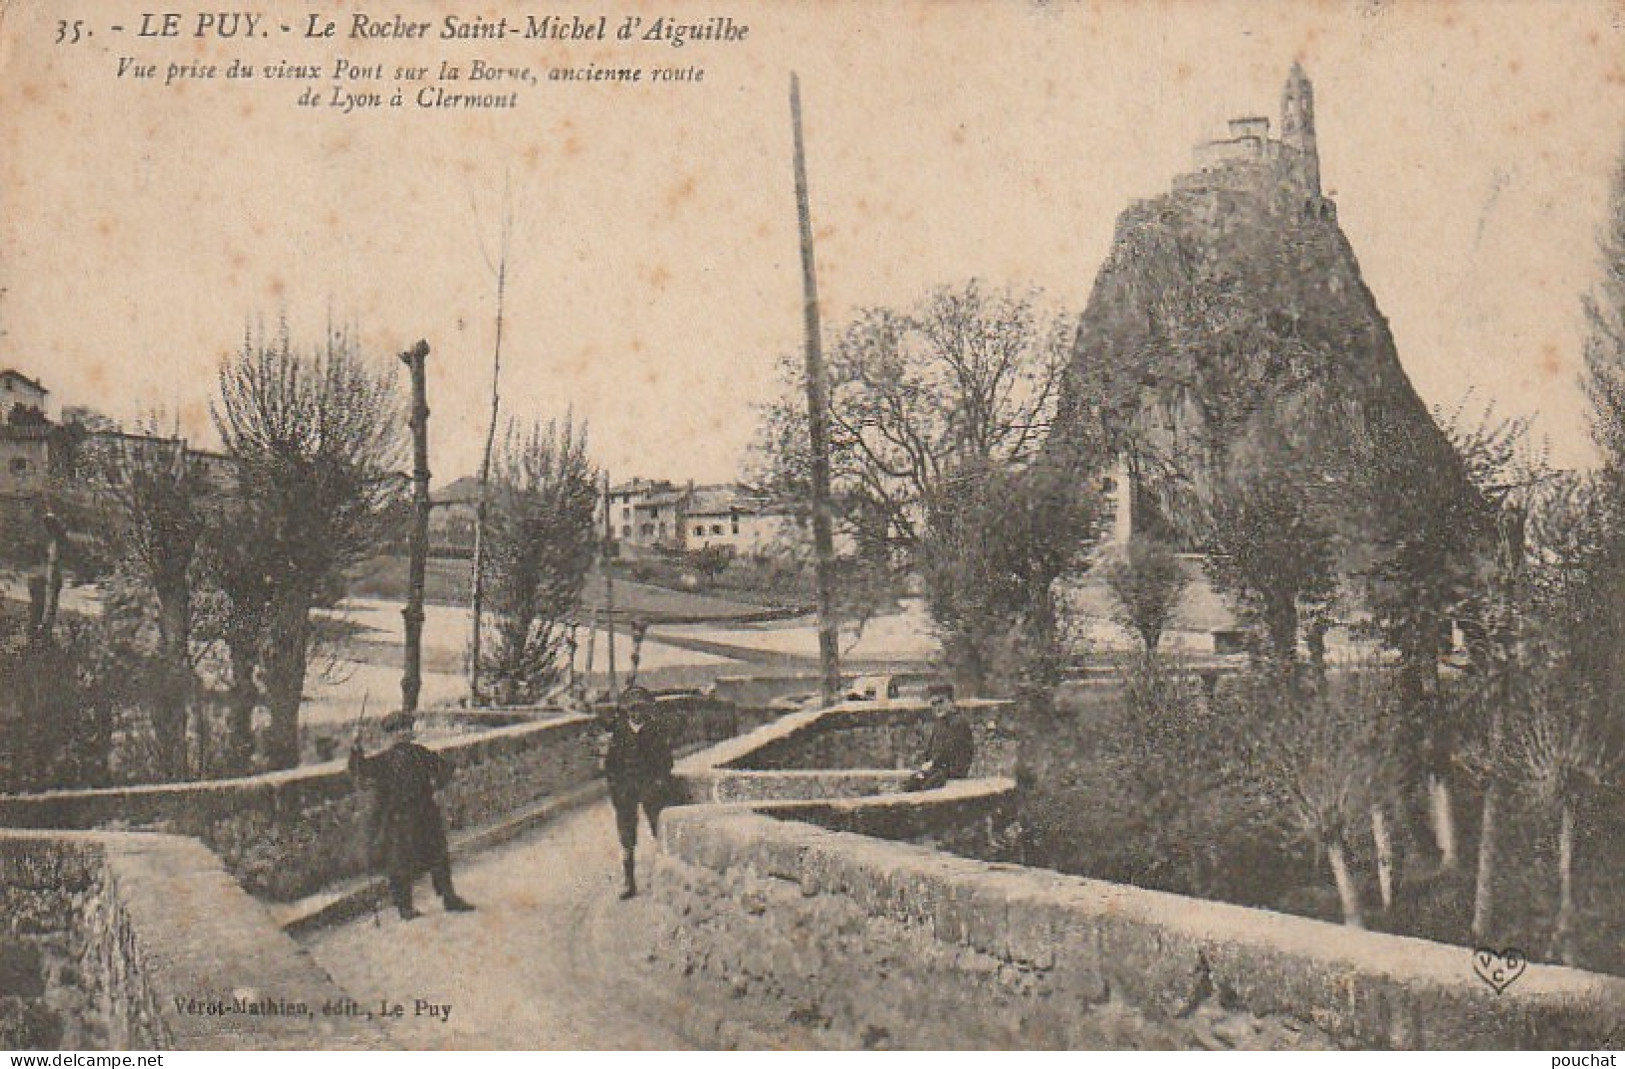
(448,582)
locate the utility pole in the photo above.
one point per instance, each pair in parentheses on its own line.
(45,592)
(416,358)
(829,655)
(477,600)
(609,591)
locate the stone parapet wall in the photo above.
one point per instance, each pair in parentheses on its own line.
(963,811)
(874,735)
(889,944)
(142,941)
(734,785)
(48,889)
(287,834)
(752,691)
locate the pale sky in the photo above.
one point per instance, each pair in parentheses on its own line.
(654,276)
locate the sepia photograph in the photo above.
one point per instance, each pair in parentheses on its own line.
(699,525)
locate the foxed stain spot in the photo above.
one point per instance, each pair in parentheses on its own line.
(247,110)
(105,226)
(96,375)
(1551,364)
(238,260)
(825,232)
(572,145)
(658,277)
(1513,66)
(957,134)
(637,345)
(682,191)
(32,93)
(651,375)
(532,154)
(277,287)
(1182,72)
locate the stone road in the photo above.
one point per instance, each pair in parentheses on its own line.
(552,959)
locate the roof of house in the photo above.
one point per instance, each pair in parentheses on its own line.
(665,497)
(639,485)
(12,373)
(723,500)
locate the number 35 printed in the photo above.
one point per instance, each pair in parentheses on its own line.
(70,32)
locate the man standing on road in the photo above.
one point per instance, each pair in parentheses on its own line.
(952,747)
(409,837)
(638,767)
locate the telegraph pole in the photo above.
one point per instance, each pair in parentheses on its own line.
(416,358)
(609,591)
(829,656)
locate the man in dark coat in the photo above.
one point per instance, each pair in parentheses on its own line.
(408,835)
(952,746)
(638,767)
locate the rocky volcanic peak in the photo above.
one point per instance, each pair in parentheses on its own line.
(1230,318)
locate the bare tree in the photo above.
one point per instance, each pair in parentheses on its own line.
(318,435)
(155,492)
(1559,751)
(938,417)
(967,378)
(1270,553)
(991,550)
(1146,582)
(540,540)
(1310,765)
(241,585)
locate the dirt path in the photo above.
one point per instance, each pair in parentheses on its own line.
(551,960)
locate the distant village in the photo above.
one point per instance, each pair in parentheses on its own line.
(38,451)
(650,514)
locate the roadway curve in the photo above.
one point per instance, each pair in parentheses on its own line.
(552,959)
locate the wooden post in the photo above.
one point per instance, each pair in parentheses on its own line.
(609,592)
(51,588)
(639,629)
(416,358)
(592,646)
(477,600)
(817,422)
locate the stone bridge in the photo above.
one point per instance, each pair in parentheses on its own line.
(799,900)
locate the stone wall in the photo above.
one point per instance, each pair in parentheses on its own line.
(47,889)
(284,835)
(126,941)
(753,691)
(871,735)
(875,943)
